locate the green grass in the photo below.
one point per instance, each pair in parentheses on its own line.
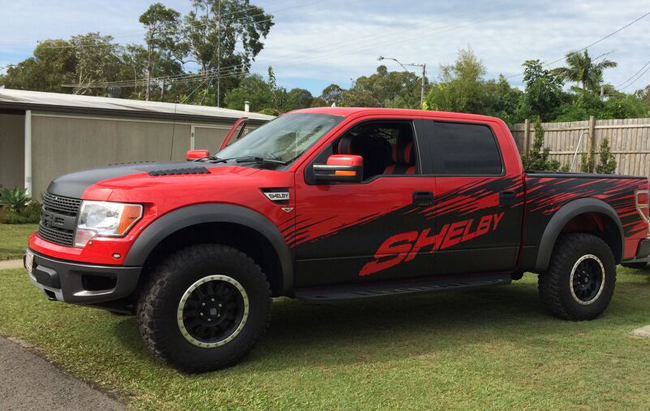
(490,349)
(13,240)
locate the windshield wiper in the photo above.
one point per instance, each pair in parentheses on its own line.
(250,159)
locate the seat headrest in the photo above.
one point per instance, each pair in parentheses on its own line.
(404,152)
(345,145)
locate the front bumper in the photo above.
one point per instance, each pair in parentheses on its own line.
(80,283)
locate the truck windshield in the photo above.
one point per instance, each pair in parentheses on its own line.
(284,138)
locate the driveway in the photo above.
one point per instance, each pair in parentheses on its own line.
(28,382)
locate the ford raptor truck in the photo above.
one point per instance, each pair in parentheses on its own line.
(328,205)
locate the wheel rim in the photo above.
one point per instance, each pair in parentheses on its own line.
(587,279)
(213,311)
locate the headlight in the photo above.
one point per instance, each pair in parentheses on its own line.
(104,219)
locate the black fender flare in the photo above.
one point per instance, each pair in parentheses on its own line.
(562,217)
(188,216)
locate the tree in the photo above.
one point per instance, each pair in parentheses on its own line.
(98,61)
(460,87)
(165,50)
(383,89)
(54,64)
(332,95)
(503,101)
(543,91)
(84,61)
(299,98)
(538,157)
(584,71)
(253,89)
(223,37)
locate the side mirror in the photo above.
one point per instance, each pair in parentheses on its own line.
(340,168)
(194,155)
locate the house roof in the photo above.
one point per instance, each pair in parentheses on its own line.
(38,100)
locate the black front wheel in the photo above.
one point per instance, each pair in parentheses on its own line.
(580,281)
(204,308)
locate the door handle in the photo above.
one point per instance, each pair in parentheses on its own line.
(507,197)
(423,198)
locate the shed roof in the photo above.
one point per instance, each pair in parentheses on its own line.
(38,100)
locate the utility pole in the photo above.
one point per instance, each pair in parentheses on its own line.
(219,58)
(149,51)
(424,74)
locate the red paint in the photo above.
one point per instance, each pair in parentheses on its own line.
(197,154)
(396,248)
(404,247)
(239,123)
(325,210)
(345,160)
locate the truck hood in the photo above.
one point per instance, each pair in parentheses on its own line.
(124,176)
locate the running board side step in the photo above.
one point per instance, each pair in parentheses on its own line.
(342,293)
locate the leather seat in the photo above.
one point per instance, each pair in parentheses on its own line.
(403,157)
(376,152)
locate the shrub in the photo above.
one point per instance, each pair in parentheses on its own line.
(30,214)
(538,157)
(607,159)
(14,200)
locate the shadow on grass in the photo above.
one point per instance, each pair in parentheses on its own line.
(298,330)
(382,330)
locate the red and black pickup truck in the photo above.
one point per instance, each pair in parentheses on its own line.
(325,205)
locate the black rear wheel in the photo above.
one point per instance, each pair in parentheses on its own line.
(581,278)
(204,308)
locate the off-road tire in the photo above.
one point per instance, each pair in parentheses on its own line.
(555,285)
(160,297)
(636,266)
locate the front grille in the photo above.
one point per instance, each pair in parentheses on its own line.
(53,208)
(56,236)
(62,205)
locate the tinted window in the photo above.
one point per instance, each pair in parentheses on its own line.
(467,149)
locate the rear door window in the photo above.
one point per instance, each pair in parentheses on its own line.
(464,149)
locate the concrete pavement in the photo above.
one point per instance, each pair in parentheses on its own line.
(11,264)
(29,382)
(642,332)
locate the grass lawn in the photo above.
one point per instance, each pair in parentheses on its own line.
(490,349)
(13,240)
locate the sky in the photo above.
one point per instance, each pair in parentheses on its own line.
(315,43)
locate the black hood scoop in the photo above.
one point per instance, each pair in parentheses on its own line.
(179,171)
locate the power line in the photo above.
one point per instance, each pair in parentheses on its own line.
(335,51)
(632,79)
(590,45)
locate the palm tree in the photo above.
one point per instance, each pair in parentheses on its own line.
(584,71)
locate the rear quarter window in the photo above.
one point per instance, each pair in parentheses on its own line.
(465,149)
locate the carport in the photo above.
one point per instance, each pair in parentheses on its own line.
(44,135)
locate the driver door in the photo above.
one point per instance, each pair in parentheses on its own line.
(368,231)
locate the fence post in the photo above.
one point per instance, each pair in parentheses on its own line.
(526,137)
(592,138)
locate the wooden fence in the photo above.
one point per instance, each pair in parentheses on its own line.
(629,141)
